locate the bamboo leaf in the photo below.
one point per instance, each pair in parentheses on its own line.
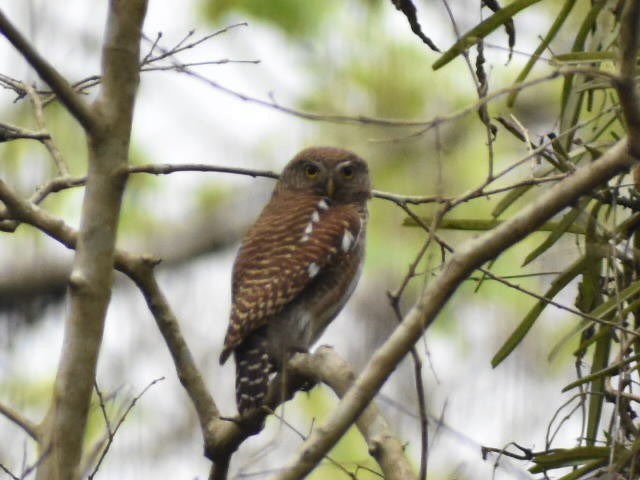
(596,397)
(527,322)
(509,199)
(571,92)
(568,457)
(555,27)
(478,224)
(575,331)
(605,372)
(482,30)
(561,228)
(584,57)
(601,311)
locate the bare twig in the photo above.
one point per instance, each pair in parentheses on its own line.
(63,169)
(49,74)
(11,132)
(163,169)
(182,45)
(121,420)
(9,472)
(28,426)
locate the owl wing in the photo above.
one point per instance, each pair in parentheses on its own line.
(291,243)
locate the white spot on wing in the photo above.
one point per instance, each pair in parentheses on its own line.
(309,229)
(315,216)
(323,205)
(305,238)
(347,241)
(313,269)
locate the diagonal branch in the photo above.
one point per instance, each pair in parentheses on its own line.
(76,106)
(384,446)
(27,425)
(140,270)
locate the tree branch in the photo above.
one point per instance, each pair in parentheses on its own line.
(625,83)
(140,270)
(76,106)
(459,266)
(336,373)
(28,426)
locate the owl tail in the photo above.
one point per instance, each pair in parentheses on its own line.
(252,372)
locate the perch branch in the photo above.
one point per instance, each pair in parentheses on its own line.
(336,373)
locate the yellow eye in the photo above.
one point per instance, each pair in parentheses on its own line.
(347,172)
(311,170)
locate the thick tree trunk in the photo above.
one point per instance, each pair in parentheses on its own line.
(109,132)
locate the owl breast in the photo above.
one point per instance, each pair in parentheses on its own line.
(301,324)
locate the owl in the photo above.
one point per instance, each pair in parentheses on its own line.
(297,266)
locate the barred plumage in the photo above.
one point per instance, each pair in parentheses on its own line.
(297,265)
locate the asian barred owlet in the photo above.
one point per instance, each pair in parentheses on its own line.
(297,265)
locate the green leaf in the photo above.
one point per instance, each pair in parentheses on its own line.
(561,228)
(555,27)
(601,311)
(482,30)
(575,331)
(572,94)
(561,281)
(584,57)
(596,397)
(480,224)
(612,304)
(509,199)
(562,457)
(605,372)
(586,468)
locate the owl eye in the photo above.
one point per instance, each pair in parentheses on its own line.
(311,170)
(347,172)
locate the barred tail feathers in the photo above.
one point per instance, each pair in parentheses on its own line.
(252,372)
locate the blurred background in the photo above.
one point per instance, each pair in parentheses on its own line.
(328,57)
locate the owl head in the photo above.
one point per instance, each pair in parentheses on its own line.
(337,174)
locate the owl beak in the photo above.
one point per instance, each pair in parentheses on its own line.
(331,187)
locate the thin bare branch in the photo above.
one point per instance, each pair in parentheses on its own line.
(11,132)
(9,472)
(76,106)
(111,434)
(63,169)
(182,45)
(164,169)
(21,421)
